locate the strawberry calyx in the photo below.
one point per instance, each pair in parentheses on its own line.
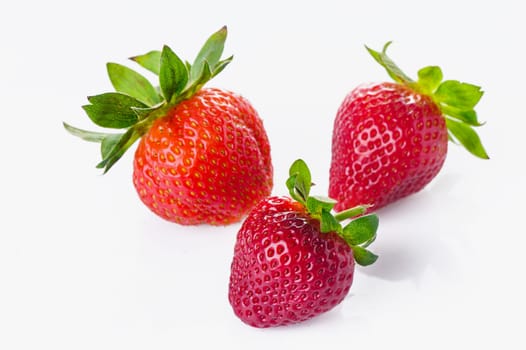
(456,100)
(137,103)
(358,233)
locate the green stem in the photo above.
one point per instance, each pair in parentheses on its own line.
(351,212)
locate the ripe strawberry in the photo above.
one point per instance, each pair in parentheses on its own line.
(292,258)
(203,155)
(390,139)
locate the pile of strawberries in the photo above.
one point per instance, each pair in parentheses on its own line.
(204,158)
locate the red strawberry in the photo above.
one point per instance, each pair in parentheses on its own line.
(390,139)
(292,258)
(203,155)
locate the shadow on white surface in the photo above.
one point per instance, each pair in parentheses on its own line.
(414,236)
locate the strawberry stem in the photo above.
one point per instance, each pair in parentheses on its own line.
(351,212)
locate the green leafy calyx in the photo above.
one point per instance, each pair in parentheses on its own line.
(358,233)
(456,100)
(136,103)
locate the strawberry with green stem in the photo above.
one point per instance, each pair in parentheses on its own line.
(390,139)
(293,259)
(203,155)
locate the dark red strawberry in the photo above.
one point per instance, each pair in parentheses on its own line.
(203,156)
(293,260)
(390,139)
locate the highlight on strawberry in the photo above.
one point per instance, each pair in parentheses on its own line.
(390,139)
(293,258)
(203,155)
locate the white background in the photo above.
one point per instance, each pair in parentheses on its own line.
(84,265)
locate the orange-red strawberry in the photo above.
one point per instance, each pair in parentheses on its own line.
(390,139)
(293,260)
(203,155)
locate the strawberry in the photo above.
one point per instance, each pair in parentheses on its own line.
(293,260)
(390,139)
(203,155)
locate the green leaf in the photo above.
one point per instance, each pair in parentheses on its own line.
(316,204)
(459,95)
(221,65)
(361,230)
(206,75)
(143,113)
(210,52)
(392,69)
(112,110)
(290,183)
(112,148)
(86,135)
(467,137)
(468,116)
(299,182)
(188,66)
(363,256)
(451,138)
(108,141)
(150,61)
(173,75)
(328,223)
(130,82)
(429,78)
(300,168)
(108,144)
